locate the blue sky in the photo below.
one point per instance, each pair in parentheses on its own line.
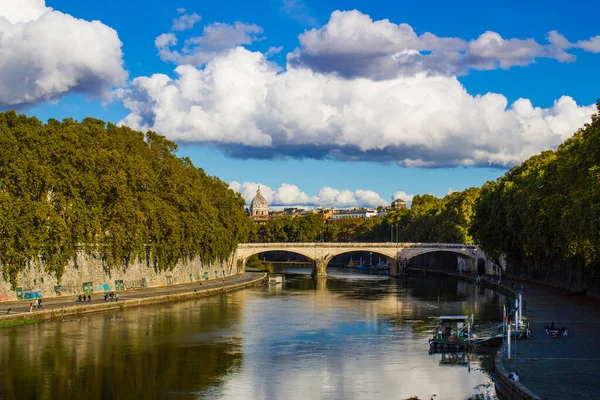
(323,103)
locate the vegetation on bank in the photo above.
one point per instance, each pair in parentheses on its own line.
(255,263)
(430,219)
(17,322)
(544,214)
(107,189)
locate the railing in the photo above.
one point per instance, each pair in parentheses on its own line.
(365,244)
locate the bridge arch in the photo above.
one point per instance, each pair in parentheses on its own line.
(245,256)
(321,253)
(390,256)
(466,253)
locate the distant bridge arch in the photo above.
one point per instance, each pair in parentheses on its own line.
(321,253)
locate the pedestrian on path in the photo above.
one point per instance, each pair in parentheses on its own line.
(30,307)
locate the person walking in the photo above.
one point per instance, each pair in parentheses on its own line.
(30,307)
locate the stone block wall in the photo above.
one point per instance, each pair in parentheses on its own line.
(91,271)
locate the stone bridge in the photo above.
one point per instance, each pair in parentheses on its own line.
(321,253)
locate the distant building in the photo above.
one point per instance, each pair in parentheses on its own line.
(398,204)
(294,211)
(327,213)
(381,211)
(354,213)
(259,209)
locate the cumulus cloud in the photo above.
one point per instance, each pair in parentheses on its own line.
(45,54)
(352,45)
(243,104)
(327,197)
(215,39)
(185,21)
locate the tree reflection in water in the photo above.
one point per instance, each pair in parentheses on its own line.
(346,336)
(150,352)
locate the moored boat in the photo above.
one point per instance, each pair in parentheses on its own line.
(452,334)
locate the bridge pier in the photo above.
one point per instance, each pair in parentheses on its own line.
(320,268)
(394,270)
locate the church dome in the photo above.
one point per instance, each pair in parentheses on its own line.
(259,200)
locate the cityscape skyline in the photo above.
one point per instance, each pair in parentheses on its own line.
(324,104)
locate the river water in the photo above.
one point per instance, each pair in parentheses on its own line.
(349,336)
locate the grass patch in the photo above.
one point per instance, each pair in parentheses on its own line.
(17,322)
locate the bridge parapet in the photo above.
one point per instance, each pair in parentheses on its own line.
(358,244)
(321,253)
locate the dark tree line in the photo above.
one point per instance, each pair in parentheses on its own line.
(544,214)
(107,189)
(430,219)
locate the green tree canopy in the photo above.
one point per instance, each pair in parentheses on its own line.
(96,186)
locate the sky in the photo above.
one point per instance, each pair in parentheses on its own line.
(323,103)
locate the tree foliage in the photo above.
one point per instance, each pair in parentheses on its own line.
(430,219)
(69,185)
(548,208)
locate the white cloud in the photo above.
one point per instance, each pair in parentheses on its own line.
(244,104)
(352,45)
(330,197)
(185,21)
(248,190)
(273,50)
(165,40)
(290,195)
(215,39)
(370,198)
(16,11)
(327,197)
(591,45)
(45,54)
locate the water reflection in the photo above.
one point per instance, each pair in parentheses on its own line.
(164,352)
(347,336)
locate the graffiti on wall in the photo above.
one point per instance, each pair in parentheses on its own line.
(29,294)
(135,283)
(103,286)
(3,296)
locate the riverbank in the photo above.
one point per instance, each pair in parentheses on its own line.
(553,368)
(17,312)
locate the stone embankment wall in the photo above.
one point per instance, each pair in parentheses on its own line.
(87,272)
(511,389)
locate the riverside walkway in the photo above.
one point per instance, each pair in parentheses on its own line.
(559,368)
(555,368)
(67,305)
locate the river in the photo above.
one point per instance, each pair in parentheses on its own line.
(349,336)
